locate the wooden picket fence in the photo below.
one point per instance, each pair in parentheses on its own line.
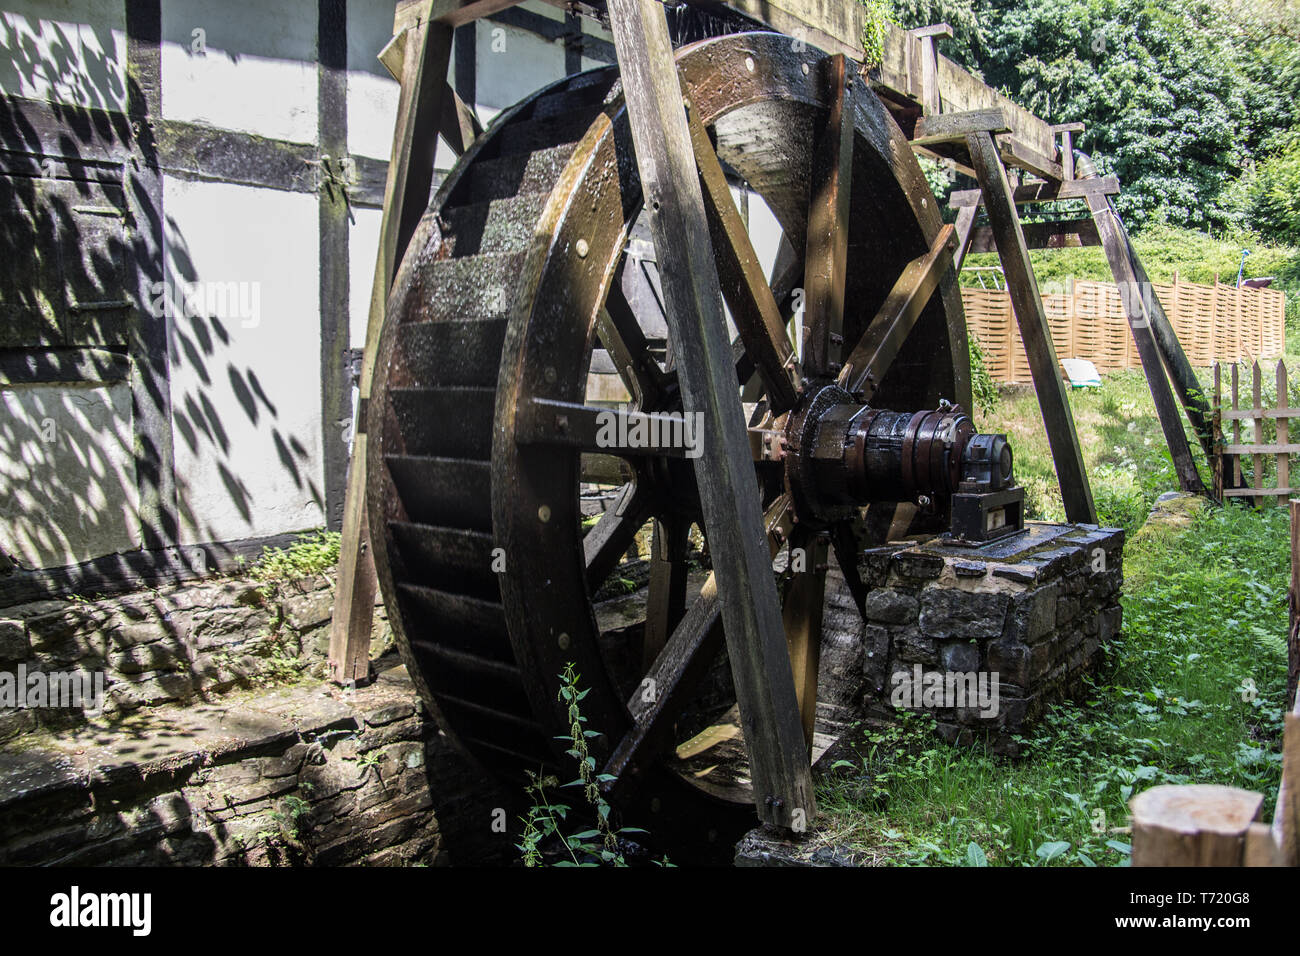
(1266,445)
(1218,323)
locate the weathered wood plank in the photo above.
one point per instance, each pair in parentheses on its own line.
(1039,163)
(1027,303)
(406,193)
(1042,192)
(453,13)
(1135,297)
(1067,234)
(751,613)
(827,251)
(953,127)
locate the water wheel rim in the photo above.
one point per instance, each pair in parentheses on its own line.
(576,252)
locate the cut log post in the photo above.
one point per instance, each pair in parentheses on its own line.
(1196,825)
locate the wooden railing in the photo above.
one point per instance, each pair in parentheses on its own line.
(1218,323)
(1267,439)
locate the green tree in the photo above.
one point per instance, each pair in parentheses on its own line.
(1273,192)
(1159,87)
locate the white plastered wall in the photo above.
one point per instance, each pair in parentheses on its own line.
(245,65)
(246,392)
(67,475)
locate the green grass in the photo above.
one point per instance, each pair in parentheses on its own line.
(1124,449)
(1191,691)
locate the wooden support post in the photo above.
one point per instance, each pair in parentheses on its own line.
(751,613)
(1053,399)
(1195,825)
(425,59)
(1186,384)
(923,71)
(1286,815)
(1136,296)
(1066,131)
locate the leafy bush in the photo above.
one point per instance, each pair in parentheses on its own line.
(983,388)
(315,553)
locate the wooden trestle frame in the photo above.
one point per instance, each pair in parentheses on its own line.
(946,113)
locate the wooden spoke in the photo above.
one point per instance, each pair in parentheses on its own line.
(607,431)
(880,343)
(621,334)
(605,544)
(802,614)
(684,660)
(847,544)
(753,307)
(668,572)
(826,257)
(669,684)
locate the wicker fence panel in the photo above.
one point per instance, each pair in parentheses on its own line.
(1218,323)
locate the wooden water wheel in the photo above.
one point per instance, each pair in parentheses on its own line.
(483,441)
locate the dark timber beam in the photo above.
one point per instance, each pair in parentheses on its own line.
(1065,234)
(334,217)
(1138,296)
(750,610)
(1180,369)
(151,367)
(1066,131)
(1027,303)
(1043,192)
(827,252)
(941,128)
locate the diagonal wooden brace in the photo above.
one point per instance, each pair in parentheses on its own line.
(1053,400)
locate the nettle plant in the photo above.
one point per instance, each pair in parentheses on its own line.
(600,844)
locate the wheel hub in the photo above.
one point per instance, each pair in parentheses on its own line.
(841,454)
